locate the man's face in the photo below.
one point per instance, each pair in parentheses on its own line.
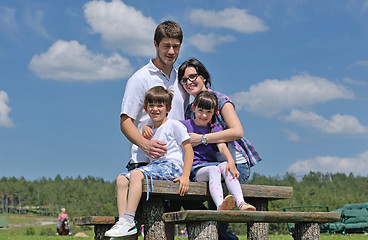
(168,50)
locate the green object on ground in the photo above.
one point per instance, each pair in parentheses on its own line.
(3,222)
(354,219)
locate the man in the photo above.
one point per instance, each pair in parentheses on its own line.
(159,71)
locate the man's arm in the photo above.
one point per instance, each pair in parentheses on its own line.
(153,148)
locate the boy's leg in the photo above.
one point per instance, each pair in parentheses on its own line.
(135,190)
(122,185)
(122,228)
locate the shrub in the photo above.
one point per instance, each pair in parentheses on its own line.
(30,230)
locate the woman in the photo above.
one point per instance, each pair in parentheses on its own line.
(195,78)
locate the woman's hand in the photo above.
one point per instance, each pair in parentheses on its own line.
(183,185)
(147,132)
(230,167)
(195,139)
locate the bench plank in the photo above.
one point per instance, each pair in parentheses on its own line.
(95,220)
(200,191)
(257,216)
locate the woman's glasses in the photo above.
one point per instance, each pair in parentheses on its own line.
(191,78)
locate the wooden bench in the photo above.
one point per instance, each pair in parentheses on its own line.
(153,209)
(202,225)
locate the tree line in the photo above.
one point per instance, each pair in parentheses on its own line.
(94,196)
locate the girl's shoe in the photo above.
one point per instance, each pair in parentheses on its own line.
(228,203)
(246,207)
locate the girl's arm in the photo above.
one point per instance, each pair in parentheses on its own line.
(188,162)
(234,131)
(230,167)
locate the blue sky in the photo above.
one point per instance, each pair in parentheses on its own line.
(296,70)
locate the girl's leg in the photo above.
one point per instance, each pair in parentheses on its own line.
(232,184)
(235,189)
(122,185)
(212,175)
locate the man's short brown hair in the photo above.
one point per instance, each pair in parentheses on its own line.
(168,29)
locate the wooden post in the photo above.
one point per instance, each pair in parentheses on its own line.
(306,231)
(206,230)
(154,226)
(100,231)
(257,231)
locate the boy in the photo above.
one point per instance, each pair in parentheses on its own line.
(157,104)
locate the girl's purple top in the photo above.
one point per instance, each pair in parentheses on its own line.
(202,153)
(242,145)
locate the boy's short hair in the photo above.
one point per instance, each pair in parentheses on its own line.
(158,94)
(168,29)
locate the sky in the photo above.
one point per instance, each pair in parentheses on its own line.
(296,70)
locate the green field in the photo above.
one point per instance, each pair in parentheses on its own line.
(28,227)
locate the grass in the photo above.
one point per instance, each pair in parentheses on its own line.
(37,232)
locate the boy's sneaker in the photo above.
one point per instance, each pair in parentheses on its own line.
(122,228)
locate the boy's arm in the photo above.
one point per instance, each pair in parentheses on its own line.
(154,149)
(229,158)
(188,162)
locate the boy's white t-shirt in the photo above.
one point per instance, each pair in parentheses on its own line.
(173,133)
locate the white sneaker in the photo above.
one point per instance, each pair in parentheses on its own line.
(121,229)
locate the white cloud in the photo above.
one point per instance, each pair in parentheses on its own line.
(121,26)
(8,23)
(272,96)
(345,124)
(71,61)
(363,64)
(231,18)
(355,82)
(291,136)
(5,121)
(357,165)
(34,20)
(207,43)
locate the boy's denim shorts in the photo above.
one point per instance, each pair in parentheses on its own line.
(159,170)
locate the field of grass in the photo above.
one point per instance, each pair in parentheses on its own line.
(27,227)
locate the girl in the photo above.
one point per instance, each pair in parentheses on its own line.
(206,168)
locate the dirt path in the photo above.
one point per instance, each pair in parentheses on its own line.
(24,221)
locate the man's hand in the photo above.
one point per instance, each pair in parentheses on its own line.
(154,148)
(183,185)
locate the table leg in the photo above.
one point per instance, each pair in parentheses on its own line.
(154,226)
(257,231)
(306,231)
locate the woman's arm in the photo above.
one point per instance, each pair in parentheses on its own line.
(230,167)
(234,131)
